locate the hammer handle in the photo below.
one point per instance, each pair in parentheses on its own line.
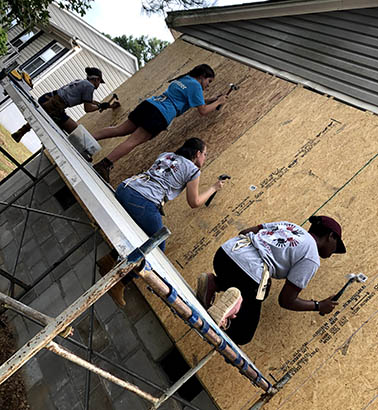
(339,293)
(211,197)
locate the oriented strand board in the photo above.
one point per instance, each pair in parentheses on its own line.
(290,152)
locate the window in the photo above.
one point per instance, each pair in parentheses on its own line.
(43,59)
(18,42)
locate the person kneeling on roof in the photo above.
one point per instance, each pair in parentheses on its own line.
(144,195)
(75,93)
(281,250)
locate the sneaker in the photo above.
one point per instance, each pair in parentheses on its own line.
(105,264)
(21,132)
(103,168)
(206,289)
(226,307)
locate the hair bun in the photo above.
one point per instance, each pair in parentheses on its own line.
(315,219)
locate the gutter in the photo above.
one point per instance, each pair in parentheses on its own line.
(249,11)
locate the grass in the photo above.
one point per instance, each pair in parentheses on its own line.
(17,150)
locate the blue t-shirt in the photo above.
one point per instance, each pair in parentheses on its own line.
(182,94)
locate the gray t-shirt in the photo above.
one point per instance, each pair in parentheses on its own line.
(289,251)
(77,92)
(166,179)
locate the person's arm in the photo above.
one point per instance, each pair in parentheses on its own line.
(208,108)
(196,199)
(91,106)
(288,299)
(253,229)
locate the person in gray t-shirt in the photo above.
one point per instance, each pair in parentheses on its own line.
(75,93)
(281,250)
(144,195)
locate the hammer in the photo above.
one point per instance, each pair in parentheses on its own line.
(221,178)
(352,277)
(114,97)
(232,88)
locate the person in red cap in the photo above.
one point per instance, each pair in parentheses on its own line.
(245,264)
(75,93)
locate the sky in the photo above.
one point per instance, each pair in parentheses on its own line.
(129,19)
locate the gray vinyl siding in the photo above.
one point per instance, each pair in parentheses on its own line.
(74,69)
(337,50)
(68,22)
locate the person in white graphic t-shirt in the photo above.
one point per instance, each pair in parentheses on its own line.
(279,250)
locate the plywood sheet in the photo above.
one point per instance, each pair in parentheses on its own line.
(308,152)
(290,152)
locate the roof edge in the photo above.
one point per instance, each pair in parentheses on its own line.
(177,19)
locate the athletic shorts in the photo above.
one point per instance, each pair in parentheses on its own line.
(149,117)
(54,106)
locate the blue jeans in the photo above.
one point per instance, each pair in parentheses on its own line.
(144,212)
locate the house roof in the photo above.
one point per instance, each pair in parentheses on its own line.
(270,8)
(75,26)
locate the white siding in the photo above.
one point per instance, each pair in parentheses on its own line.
(75,69)
(15,31)
(34,47)
(83,31)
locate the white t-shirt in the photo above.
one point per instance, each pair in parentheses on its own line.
(289,251)
(167,178)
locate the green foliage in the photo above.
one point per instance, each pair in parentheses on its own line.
(161,6)
(29,13)
(3,41)
(144,48)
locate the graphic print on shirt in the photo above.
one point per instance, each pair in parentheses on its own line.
(280,236)
(165,165)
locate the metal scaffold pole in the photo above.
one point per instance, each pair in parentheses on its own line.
(60,323)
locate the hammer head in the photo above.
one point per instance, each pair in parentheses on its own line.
(360,277)
(223,177)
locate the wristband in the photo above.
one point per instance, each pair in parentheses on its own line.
(317,307)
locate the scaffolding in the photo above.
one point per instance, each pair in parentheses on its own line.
(133,247)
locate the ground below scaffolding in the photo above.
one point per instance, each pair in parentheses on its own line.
(12,392)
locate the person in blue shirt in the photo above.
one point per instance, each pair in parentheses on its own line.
(154,115)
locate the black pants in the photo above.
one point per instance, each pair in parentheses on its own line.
(229,274)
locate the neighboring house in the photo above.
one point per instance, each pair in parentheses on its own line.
(57,54)
(327,45)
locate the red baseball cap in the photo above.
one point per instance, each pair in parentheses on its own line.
(335,227)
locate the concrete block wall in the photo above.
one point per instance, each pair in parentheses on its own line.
(131,337)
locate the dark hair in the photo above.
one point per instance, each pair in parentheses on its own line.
(317,228)
(202,69)
(190,148)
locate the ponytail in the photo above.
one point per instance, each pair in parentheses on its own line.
(196,72)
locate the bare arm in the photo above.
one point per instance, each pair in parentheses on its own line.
(288,299)
(208,108)
(196,199)
(91,106)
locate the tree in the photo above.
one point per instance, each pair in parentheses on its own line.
(29,13)
(161,6)
(144,48)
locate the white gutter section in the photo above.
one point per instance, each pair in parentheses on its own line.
(211,15)
(282,74)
